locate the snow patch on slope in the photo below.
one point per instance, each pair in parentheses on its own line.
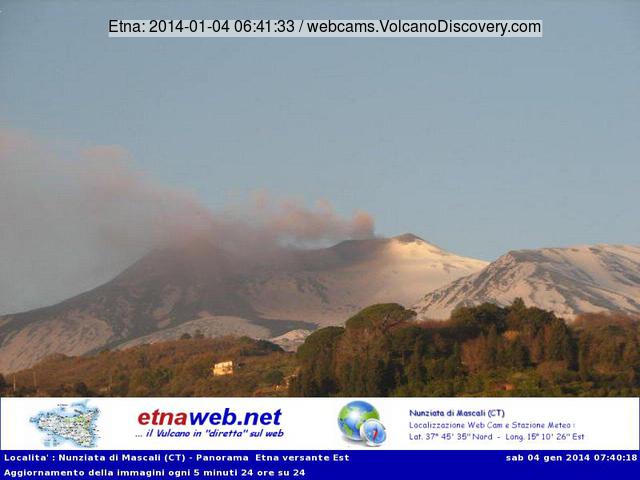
(291,340)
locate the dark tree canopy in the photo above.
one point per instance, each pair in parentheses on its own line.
(482,350)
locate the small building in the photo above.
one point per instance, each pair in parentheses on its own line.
(222,368)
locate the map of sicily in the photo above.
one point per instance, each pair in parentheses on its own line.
(74,423)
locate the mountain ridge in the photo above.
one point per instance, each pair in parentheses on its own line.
(198,285)
(568,281)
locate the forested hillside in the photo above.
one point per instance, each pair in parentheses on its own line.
(482,351)
(382,351)
(180,368)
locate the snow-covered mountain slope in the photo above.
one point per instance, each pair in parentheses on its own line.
(198,286)
(333,284)
(290,341)
(567,281)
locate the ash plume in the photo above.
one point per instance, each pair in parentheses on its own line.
(72,217)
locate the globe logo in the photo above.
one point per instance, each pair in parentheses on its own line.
(360,421)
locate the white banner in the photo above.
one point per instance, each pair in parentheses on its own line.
(314,423)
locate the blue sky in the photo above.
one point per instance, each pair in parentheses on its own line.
(478,145)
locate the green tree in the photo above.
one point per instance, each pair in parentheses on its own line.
(316,357)
(274,377)
(81,389)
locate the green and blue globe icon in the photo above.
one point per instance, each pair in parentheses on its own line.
(360,421)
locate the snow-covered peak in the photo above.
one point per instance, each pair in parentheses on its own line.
(413,248)
(568,281)
(409,245)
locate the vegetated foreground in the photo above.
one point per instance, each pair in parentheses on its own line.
(179,368)
(382,351)
(480,351)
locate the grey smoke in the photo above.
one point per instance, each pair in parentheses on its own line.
(73,217)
